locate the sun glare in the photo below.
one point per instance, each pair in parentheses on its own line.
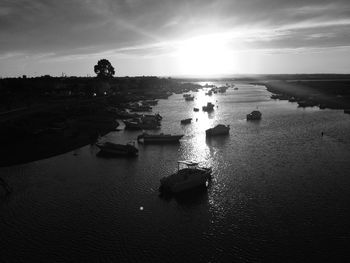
(204,56)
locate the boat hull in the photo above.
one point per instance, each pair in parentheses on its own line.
(176,184)
(146,138)
(123,150)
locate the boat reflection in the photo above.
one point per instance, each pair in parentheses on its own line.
(217,141)
(195,197)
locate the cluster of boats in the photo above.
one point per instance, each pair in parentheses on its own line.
(189,174)
(188,97)
(215,89)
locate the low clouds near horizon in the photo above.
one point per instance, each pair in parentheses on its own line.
(143,37)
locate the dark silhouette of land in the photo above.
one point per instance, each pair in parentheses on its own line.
(45,116)
(332,94)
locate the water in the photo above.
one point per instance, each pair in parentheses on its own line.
(279,191)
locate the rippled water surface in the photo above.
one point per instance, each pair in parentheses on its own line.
(280,191)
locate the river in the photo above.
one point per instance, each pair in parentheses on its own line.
(280,191)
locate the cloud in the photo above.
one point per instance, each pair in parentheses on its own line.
(71,29)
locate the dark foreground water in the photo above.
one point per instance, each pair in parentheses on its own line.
(280,191)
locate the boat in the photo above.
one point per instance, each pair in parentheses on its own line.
(187,178)
(138,124)
(219,129)
(186,121)
(208,107)
(209,93)
(189,98)
(223,89)
(118,149)
(235,88)
(195,109)
(149,102)
(254,115)
(145,122)
(126,115)
(141,108)
(186,95)
(159,138)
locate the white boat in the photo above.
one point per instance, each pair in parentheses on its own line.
(254,115)
(187,178)
(219,129)
(117,149)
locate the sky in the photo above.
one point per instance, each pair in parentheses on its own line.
(174,37)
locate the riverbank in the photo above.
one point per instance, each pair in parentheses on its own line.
(331,94)
(58,120)
(44,135)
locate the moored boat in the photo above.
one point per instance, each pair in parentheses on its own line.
(254,115)
(195,109)
(208,107)
(159,138)
(145,122)
(186,121)
(117,149)
(140,125)
(187,178)
(189,98)
(219,129)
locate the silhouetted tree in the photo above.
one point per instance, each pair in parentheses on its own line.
(104,69)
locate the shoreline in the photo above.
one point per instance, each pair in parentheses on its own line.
(56,125)
(50,143)
(330,94)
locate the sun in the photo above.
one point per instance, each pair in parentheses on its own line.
(206,55)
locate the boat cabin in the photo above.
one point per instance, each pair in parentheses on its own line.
(187,164)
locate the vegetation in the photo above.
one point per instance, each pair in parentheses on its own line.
(104,69)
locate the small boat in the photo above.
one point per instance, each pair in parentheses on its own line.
(189,98)
(140,125)
(195,109)
(118,149)
(223,89)
(235,88)
(254,115)
(219,129)
(159,138)
(187,178)
(149,102)
(186,95)
(145,122)
(208,107)
(139,108)
(186,121)
(209,93)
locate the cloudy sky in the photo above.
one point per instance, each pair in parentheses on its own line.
(174,37)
